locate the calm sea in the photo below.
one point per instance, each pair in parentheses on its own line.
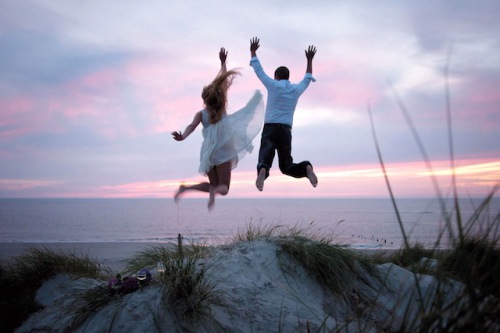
(362,223)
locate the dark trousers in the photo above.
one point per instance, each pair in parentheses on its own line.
(278,137)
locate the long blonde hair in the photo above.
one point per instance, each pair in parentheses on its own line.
(215,94)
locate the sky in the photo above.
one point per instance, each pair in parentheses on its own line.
(91,90)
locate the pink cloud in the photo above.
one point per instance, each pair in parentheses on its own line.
(172,92)
(478,109)
(46,110)
(25,184)
(18,116)
(95,99)
(84,95)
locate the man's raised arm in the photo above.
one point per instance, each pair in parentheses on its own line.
(310,52)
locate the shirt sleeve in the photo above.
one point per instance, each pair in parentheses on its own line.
(310,77)
(302,85)
(259,71)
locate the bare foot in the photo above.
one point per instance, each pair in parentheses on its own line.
(177,195)
(260,179)
(211,199)
(312,176)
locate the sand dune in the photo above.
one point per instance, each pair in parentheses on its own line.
(260,291)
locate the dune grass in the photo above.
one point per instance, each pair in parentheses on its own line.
(186,289)
(475,260)
(416,258)
(474,306)
(255,231)
(17,299)
(151,255)
(88,302)
(42,263)
(20,280)
(473,257)
(333,266)
(187,293)
(184,284)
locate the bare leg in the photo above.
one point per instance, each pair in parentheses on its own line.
(202,187)
(179,192)
(223,177)
(211,198)
(260,179)
(312,176)
(214,181)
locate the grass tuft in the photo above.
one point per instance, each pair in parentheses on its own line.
(334,266)
(411,257)
(256,231)
(186,289)
(89,302)
(40,264)
(475,260)
(151,255)
(20,280)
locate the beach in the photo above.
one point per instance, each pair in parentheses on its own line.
(110,254)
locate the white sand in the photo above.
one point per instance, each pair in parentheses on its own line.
(257,297)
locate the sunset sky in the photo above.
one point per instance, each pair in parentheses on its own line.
(91,90)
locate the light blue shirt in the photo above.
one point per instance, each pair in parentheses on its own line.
(282,96)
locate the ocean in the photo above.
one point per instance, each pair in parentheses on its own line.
(360,223)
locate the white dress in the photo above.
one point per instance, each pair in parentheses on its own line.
(230,139)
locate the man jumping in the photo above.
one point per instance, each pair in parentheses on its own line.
(282,98)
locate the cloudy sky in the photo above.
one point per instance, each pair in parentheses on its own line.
(90,91)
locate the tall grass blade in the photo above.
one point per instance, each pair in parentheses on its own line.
(491,226)
(451,147)
(386,178)
(393,200)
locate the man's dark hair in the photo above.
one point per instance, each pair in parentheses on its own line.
(282,73)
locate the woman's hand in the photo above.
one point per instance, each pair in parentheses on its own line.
(222,56)
(177,136)
(254,46)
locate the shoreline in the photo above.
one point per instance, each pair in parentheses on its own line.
(111,254)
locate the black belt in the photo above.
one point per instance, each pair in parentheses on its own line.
(277,125)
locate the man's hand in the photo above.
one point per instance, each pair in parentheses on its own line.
(222,55)
(254,46)
(310,52)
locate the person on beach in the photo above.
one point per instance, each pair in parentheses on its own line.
(277,133)
(226,138)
